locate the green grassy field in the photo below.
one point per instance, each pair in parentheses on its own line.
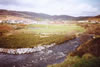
(54,28)
(34,35)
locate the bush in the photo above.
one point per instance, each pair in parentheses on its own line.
(20,26)
(87,56)
(91,28)
(94,29)
(5,28)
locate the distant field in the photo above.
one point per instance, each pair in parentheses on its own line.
(33,35)
(53,28)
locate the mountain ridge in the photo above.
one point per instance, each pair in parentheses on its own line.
(41,16)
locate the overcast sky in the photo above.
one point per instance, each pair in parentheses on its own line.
(54,7)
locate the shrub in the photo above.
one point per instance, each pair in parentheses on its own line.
(91,28)
(20,26)
(5,28)
(94,29)
(87,56)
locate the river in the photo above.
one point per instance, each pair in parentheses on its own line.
(52,55)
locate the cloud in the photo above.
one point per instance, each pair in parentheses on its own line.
(52,7)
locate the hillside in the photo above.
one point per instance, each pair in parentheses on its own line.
(33,15)
(40,16)
(95,18)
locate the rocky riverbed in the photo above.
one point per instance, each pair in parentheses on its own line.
(25,50)
(42,58)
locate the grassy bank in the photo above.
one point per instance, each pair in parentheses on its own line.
(85,61)
(31,40)
(24,36)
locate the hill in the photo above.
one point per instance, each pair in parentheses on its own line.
(41,16)
(33,15)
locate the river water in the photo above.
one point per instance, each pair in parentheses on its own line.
(52,55)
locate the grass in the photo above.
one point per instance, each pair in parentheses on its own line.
(30,40)
(34,35)
(54,28)
(77,61)
(95,62)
